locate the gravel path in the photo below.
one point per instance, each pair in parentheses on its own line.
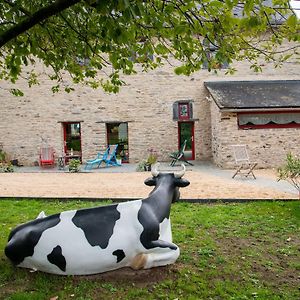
(207,182)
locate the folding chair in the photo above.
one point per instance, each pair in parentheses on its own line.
(179,155)
(244,166)
(46,157)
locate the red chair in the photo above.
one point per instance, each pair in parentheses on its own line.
(47,157)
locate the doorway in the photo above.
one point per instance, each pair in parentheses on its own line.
(72,141)
(186,132)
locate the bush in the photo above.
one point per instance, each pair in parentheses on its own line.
(2,156)
(291,171)
(145,164)
(6,167)
(74,165)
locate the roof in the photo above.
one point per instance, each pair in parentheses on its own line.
(255,95)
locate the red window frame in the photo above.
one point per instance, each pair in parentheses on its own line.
(268,126)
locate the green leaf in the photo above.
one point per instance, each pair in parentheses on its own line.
(180,70)
(292,21)
(17,92)
(107,32)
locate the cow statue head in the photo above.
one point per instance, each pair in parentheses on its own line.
(169,181)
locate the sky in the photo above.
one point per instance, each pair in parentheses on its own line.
(296,5)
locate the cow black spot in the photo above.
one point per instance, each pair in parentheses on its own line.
(119,254)
(97,223)
(56,258)
(24,238)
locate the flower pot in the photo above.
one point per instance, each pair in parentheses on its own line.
(147,167)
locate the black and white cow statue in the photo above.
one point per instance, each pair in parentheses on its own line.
(134,234)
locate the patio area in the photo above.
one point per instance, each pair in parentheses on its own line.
(124,182)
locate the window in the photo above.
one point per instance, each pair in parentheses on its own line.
(183,110)
(269,120)
(117,133)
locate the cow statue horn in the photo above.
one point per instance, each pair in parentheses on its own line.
(154,170)
(181,173)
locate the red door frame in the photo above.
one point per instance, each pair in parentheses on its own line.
(65,136)
(192,136)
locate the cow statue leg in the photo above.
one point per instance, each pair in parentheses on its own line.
(165,252)
(161,252)
(155,258)
(162,257)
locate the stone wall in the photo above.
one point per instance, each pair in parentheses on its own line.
(145,102)
(268,147)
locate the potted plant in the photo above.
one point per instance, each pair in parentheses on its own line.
(145,164)
(74,165)
(119,159)
(5,165)
(152,158)
(141,165)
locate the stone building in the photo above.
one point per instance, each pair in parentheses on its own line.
(153,111)
(263,114)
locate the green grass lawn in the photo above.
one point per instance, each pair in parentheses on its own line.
(233,251)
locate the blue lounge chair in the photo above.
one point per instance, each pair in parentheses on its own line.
(111,159)
(97,161)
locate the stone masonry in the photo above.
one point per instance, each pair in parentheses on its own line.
(145,102)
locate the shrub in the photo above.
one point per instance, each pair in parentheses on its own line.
(6,167)
(74,165)
(291,171)
(145,164)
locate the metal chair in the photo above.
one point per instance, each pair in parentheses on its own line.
(179,155)
(244,167)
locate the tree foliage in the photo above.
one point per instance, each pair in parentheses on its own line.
(82,37)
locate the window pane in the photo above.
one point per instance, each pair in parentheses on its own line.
(272,119)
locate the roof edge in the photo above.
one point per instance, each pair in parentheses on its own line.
(251,81)
(258,109)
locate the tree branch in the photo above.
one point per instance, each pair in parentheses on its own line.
(21,9)
(37,17)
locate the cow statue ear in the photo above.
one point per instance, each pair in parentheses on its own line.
(182,182)
(150,181)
